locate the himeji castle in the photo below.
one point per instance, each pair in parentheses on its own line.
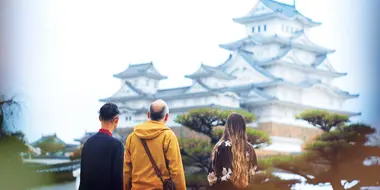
(274,72)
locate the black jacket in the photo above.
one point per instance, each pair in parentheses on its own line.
(102,163)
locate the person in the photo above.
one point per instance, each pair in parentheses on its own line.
(102,155)
(233,159)
(163,144)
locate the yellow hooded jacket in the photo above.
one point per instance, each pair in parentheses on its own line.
(138,170)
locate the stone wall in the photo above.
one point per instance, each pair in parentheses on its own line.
(290,131)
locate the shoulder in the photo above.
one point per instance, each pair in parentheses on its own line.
(250,148)
(168,134)
(116,142)
(168,131)
(223,146)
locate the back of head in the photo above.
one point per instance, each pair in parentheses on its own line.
(235,131)
(108,114)
(158,111)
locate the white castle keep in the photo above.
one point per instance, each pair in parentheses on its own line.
(275,72)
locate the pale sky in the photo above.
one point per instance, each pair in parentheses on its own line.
(69,50)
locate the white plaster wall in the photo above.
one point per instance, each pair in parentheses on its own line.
(228,101)
(244,72)
(303,57)
(288,73)
(272,90)
(189,102)
(315,96)
(124,119)
(277,26)
(145,84)
(323,78)
(264,52)
(288,27)
(288,94)
(267,28)
(136,104)
(213,82)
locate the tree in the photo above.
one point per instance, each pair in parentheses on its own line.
(210,122)
(196,153)
(335,155)
(322,119)
(12,144)
(204,120)
(50,145)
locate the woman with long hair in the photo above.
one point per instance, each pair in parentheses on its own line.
(233,159)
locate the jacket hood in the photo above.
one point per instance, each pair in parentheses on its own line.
(150,129)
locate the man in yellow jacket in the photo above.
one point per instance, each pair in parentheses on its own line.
(164,147)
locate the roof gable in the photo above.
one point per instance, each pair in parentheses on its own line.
(255,95)
(279,9)
(125,90)
(323,64)
(196,87)
(205,71)
(259,9)
(333,90)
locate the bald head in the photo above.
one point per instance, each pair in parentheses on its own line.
(158,111)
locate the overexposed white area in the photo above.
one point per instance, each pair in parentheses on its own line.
(284,144)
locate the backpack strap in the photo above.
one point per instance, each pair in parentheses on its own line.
(156,169)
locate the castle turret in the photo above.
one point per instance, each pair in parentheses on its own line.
(144,77)
(139,83)
(269,17)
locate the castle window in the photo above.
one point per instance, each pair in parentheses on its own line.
(253,29)
(265,27)
(147,82)
(155,84)
(258,29)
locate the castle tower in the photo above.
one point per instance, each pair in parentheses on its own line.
(275,72)
(298,73)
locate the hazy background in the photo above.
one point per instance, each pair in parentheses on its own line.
(64,53)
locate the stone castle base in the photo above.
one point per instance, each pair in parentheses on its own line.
(290,131)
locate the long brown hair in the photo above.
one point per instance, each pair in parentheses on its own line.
(235,131)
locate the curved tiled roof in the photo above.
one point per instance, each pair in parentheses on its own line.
(280,10)
(260,40)
(207,71)
(137,70)
(310,83)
